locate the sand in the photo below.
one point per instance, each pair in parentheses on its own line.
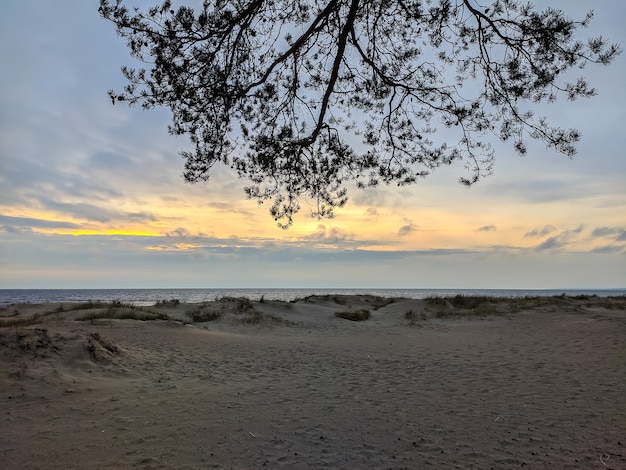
(275,384)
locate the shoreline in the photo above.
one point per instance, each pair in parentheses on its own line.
(146,297)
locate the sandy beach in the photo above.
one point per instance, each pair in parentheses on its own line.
(234,383)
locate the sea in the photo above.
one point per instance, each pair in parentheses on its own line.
(145,297)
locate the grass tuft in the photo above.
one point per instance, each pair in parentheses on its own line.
(167,303)
(462,305)
(380,302)
(202,314)
(354,315)
(244,303)
(124,314)
(25,321)
(256,318)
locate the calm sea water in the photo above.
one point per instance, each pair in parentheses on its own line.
(150,296)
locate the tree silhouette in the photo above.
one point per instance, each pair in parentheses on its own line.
(304,96)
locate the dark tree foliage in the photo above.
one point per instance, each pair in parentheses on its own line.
(304,96)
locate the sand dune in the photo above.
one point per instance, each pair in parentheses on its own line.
(509,384)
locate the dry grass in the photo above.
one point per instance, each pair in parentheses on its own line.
(412,315)
(338,299)
(617,302)
(380,302)
(244,304)
(38,318)
(461,305)
(354,315)
(415,318)
(35,319)
(167,303)
(203,314)
(242,307)
(124,313)
(241,304)
(97,310)
(257,318)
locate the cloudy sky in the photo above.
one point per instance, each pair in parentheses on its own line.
(91,195)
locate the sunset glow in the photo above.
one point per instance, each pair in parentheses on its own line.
(92,194)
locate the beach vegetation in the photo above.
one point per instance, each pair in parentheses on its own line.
(203,314)
(273,89)
(167,303)
(614,302)
(468,302)
(124,314)
(380,302)
(244,303)
(256,318)
(354,315)
(14,313)
(462,305)
(253,318)
(412,316)
(34,319)
(338,299)
(39,317)
(241,304)
(88,305)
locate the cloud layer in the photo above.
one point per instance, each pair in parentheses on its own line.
(91,195)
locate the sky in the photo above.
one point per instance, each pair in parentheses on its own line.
(92,195)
